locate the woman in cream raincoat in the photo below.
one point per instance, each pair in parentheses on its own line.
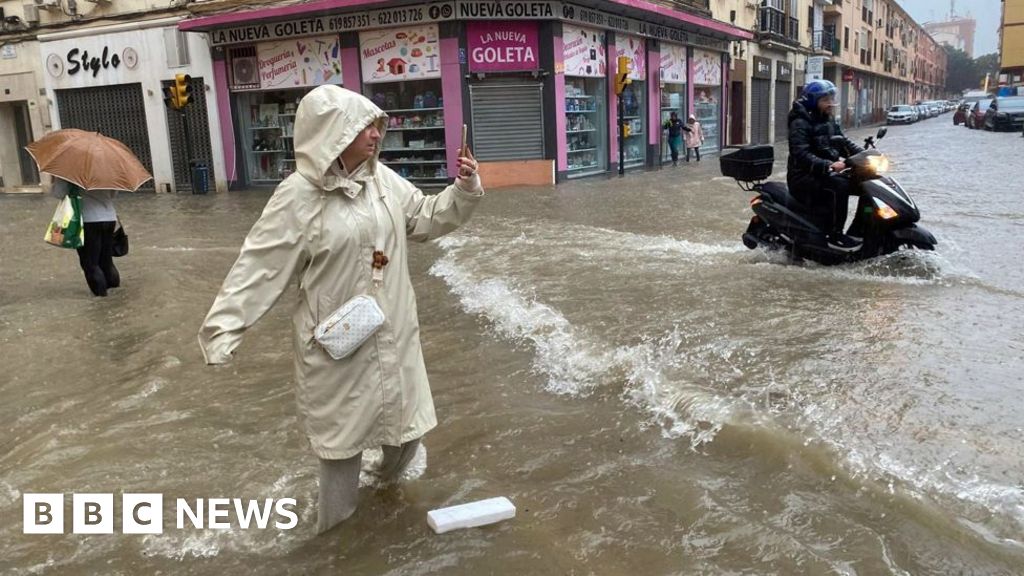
(321,226)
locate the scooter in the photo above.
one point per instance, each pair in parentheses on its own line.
(886,214)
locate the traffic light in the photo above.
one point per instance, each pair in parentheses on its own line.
(180,93)
(625,65)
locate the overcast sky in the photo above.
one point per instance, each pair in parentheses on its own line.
(986,12)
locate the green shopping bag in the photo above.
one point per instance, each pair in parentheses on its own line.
(66,229)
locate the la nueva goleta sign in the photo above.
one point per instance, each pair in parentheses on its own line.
(457,10)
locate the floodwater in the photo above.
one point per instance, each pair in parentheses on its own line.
(655,398)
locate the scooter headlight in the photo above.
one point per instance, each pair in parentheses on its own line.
(878,164)
(884,211)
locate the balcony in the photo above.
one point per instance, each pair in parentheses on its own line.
(776,27)
(825,43)
(836,8)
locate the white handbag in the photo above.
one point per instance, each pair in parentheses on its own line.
(344,331)
(351,325)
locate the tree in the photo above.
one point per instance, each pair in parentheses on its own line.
(987,64)
(961,72)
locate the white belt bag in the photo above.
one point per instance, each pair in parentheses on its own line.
(344,331)
(351,325)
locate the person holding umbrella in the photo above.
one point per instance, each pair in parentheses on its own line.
(95,167)
(99,218)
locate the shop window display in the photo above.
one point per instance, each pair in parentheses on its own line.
(267,125)
(707,108)
(707,97)
(414,143)
(673,75)
(586,133)
(633,115)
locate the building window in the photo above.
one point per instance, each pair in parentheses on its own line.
(176,48)
(846,38)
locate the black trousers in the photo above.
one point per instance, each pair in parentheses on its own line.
(97,259)
(828,199)
(695,151)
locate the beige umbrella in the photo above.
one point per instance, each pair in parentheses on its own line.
(89,159)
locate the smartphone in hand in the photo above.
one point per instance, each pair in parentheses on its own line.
(465,132)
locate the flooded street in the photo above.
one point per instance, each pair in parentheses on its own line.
(654,397)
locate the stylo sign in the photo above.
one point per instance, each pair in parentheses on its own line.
(144,513)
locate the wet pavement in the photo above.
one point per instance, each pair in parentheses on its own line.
(654,397)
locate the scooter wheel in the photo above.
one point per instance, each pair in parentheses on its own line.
(749,241)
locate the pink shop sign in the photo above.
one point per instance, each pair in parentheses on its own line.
(502,46)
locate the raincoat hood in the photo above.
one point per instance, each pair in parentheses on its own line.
(329,119)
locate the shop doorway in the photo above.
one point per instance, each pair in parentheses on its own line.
(760,110)
(23,137)
(737,108)
(508,119)
(782,106)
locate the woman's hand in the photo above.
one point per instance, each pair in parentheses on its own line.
(467,168)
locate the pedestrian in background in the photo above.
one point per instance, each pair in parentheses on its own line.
(96,256)
(340,225)
(694,136)
(675,135)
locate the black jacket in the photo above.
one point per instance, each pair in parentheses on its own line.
(811,150)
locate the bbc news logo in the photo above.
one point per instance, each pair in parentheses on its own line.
(144,513)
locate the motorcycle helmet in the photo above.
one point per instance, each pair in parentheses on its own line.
(815,90)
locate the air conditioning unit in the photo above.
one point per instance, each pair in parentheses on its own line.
(243,71)
(48,4)
(31,14)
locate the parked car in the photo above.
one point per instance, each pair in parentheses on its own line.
(976,117)
(901,114)
(935,110)
(1005,113)
(922,112)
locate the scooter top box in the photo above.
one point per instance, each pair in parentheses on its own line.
(749,163)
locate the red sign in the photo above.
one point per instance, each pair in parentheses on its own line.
(847,75)
(502,46)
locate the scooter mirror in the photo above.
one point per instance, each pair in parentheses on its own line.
(881,133)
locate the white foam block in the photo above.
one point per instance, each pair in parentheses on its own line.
(471,515)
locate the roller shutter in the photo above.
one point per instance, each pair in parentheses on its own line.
(760,110)
(782,106)
(508,120)
(118,111)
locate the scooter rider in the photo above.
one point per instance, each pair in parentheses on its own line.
(815,161)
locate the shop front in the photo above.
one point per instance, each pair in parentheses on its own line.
(266,81)
(112,80)
(707,97)
(401,73)
(673,74)
(506,94)
(585,59)
(21,119)
(760,101)
(634,100)
(783,98)
(532,80)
